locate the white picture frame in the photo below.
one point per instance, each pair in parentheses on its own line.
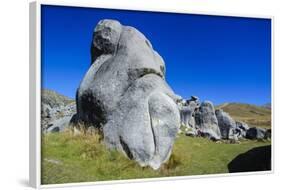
(35,93)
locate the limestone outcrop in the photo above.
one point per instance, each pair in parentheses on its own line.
(124,93)
(56,111)
(226,124)
(201,119)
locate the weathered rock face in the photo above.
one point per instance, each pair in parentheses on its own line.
(206,121)
(187,109)
(267,134)
(201,120)
(242,125)
(226,124)
(124,92)
(241,129)
(256,133)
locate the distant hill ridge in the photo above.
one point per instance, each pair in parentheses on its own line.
(54,99)
(267,105)
(253,115)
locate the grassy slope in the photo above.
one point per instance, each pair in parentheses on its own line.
(83,158)
(251,114)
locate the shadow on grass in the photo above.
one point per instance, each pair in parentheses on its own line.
(256,159)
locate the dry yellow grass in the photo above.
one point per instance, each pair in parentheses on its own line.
(250,114)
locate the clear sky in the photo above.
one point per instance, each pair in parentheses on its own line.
(221,59)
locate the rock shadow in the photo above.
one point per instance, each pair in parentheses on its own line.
(256,159)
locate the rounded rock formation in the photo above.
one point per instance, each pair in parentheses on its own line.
(206,121)
(226,124)
(124,93)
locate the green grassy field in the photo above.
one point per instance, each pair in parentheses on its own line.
(83,158)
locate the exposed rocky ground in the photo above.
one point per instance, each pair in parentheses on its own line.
(56,111)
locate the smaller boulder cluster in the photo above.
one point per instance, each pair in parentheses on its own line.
(56,111)
(202,119)
(56,119)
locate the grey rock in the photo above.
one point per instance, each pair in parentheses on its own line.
(56,111)
(206,121)
(59,125)
(226,124)
(186,112)
(241,129)
(45,111)
(178,98)
(124,92)
(239,132)
(256,133)
(234,135)
(55,129)
(187,108)
(191,132)
(194,99)
(267,134)
(191,122)
(242,125)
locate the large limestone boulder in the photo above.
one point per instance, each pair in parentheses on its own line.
(124,93)
(206,121)
(226,124)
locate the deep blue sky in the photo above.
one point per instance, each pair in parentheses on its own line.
(222,59)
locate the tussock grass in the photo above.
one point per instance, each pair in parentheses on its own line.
(68,158)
